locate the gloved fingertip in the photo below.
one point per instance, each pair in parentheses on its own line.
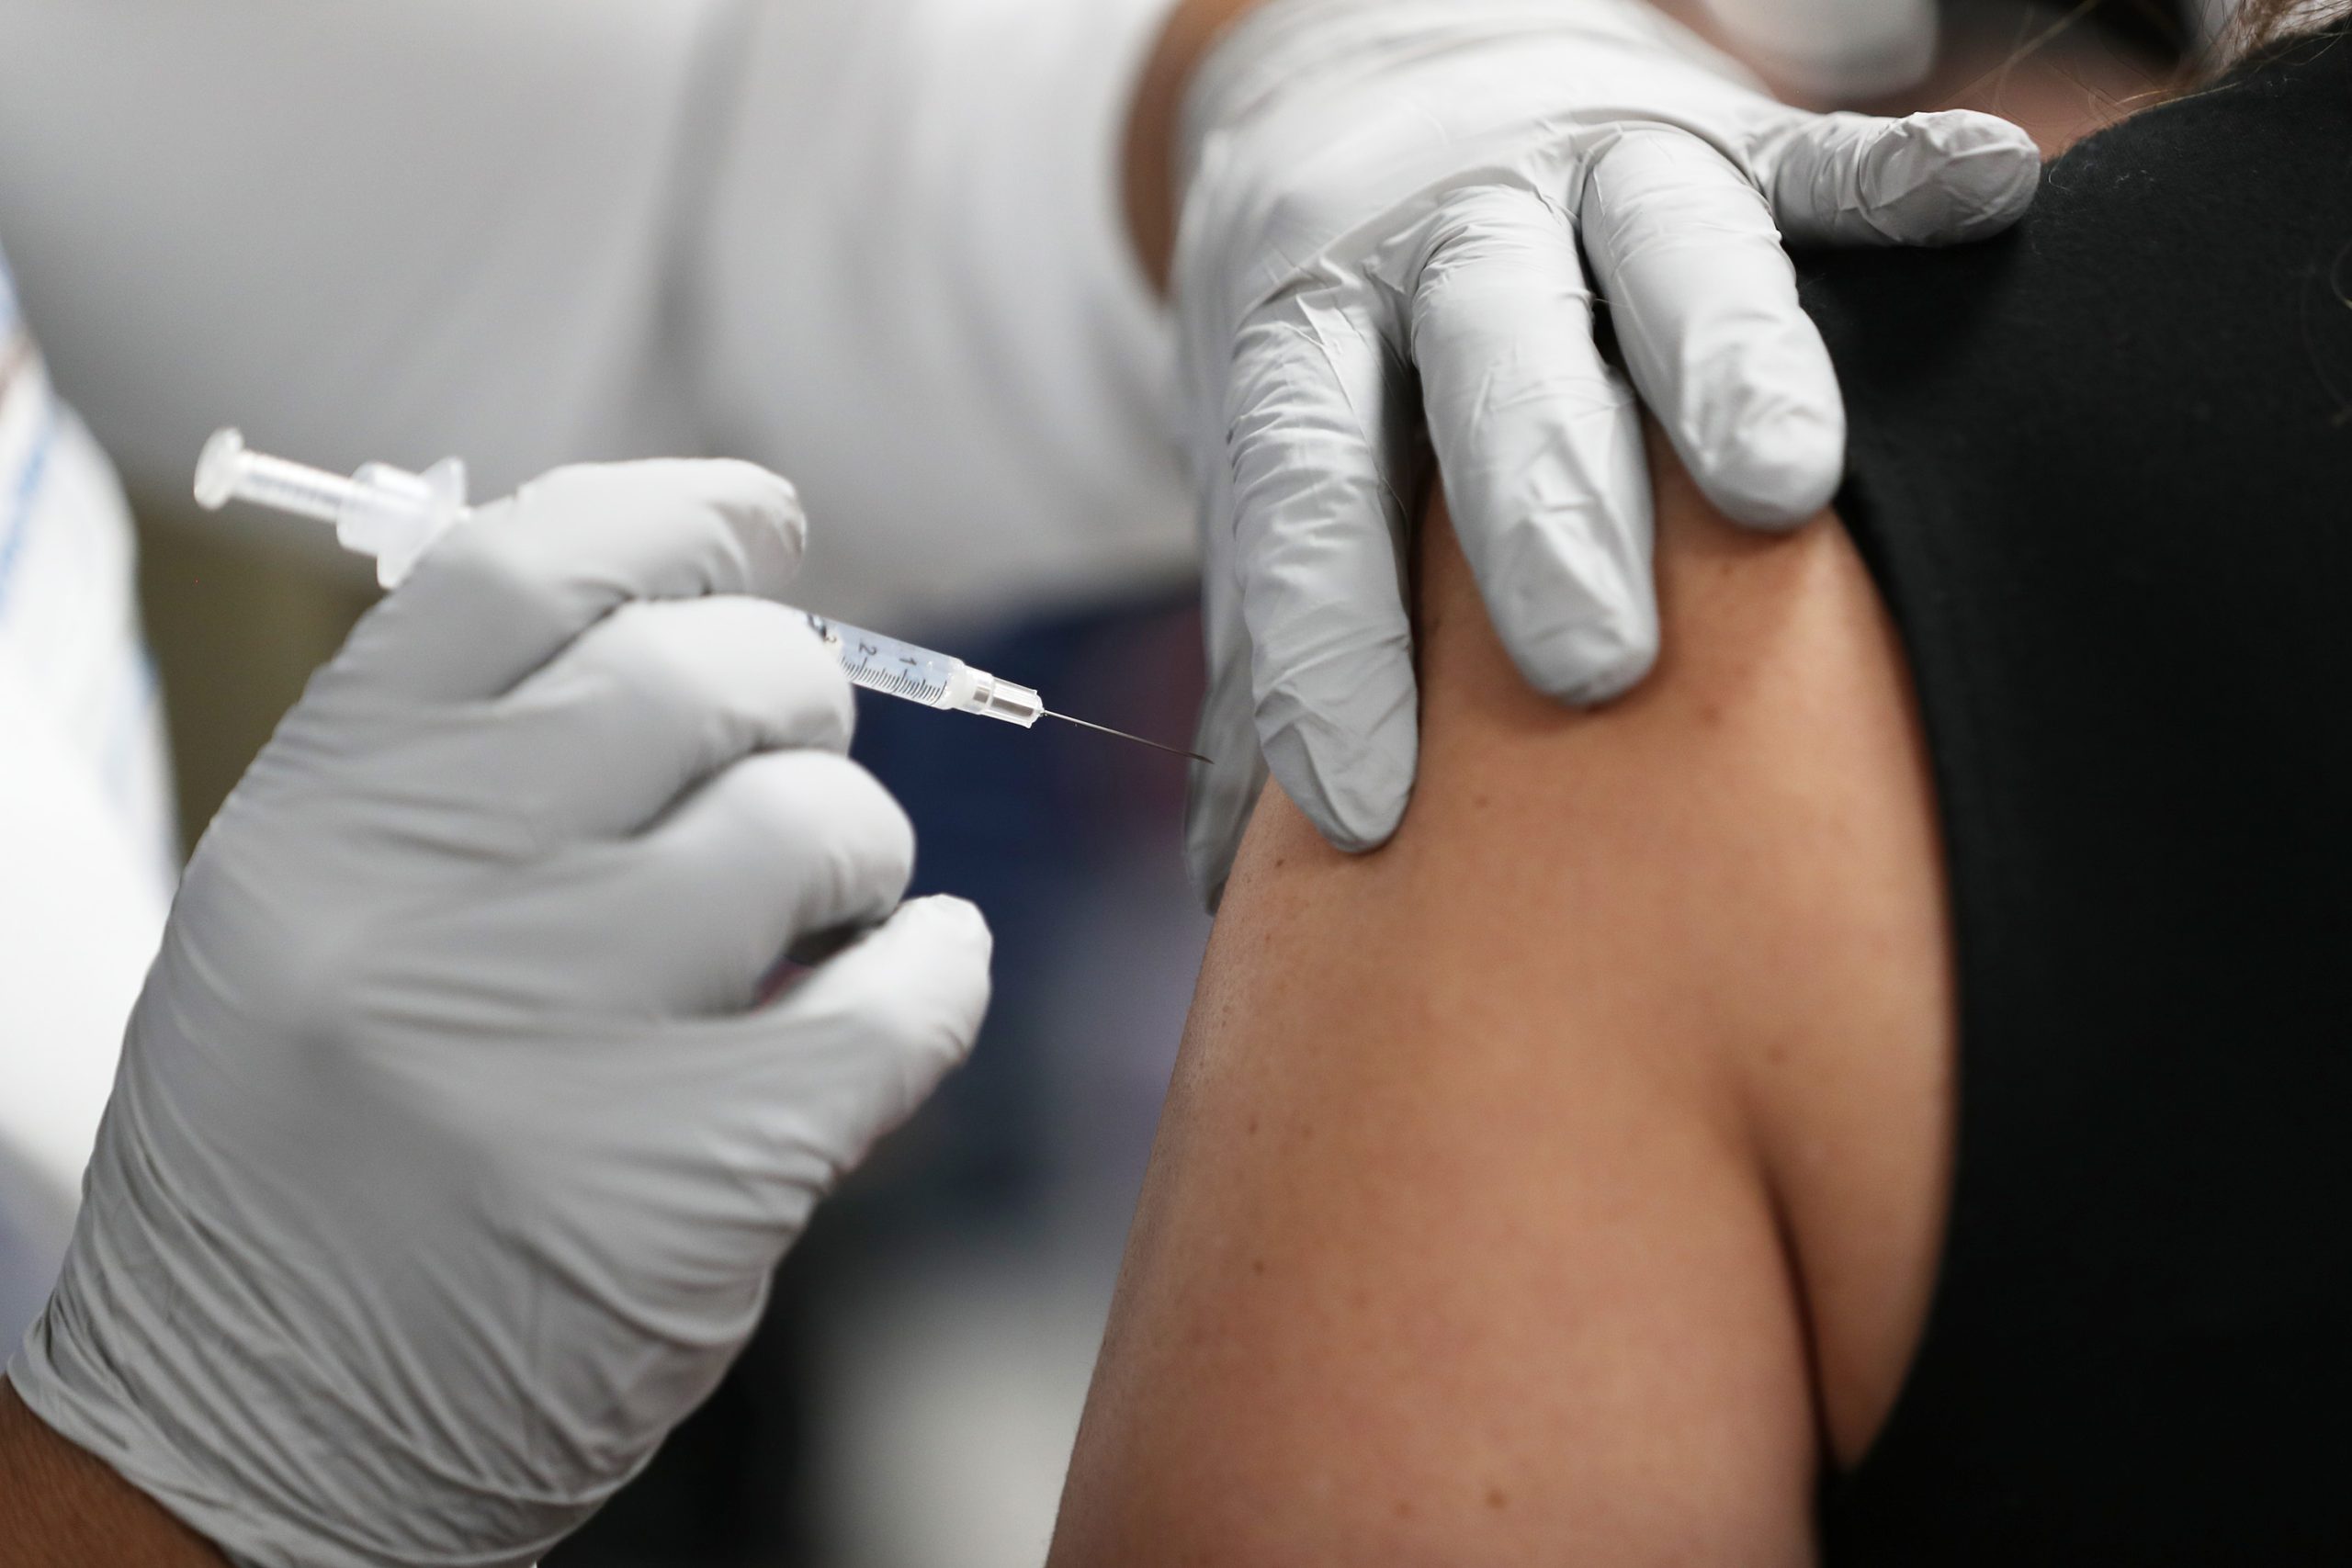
(1358,832)
(1354,793)
(951,920)
(939,948)
(1609,682)
(1600,663)
(1978,173)
(768,495)
(733,480)
(1573,599)
(1973,133)
(959,947)
(1776,470)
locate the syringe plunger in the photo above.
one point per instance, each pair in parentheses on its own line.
(387,513)
(227,471)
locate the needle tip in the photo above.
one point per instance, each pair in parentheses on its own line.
(1140,740)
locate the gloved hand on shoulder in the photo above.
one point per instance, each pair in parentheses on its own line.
(1399,217)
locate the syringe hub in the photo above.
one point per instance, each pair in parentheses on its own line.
(997,698)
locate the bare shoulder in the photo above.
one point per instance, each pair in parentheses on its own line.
(1559,1172)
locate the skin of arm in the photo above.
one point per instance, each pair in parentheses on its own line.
(1149,156)
(1563,1182)
(61,1507)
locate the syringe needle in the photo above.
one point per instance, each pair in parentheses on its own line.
(1160,745)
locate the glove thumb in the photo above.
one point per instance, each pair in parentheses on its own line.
(1927,179)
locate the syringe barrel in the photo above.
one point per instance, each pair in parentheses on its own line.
(886,665)
(916,675)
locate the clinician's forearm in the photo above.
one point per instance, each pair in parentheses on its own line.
(1150,189)
(61,1509)
(1194,28)
(919,299)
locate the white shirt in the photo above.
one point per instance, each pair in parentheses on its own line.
(86,857)
(874,244)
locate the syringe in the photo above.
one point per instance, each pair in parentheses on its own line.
(395,516)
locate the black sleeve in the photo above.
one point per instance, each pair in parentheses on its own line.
(2101,470)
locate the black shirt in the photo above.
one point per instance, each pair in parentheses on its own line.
(2101,470)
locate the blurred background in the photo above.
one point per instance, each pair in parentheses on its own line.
(912,1398)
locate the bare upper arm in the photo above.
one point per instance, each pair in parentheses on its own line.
(1527,1188)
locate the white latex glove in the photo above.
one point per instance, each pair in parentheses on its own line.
(1388,210)
(453,1143)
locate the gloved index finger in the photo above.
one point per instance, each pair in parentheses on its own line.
(1704,301)
(1539,444)
(500,596)
(654,699)
(1317,424)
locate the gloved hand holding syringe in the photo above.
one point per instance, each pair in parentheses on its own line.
(395,515)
